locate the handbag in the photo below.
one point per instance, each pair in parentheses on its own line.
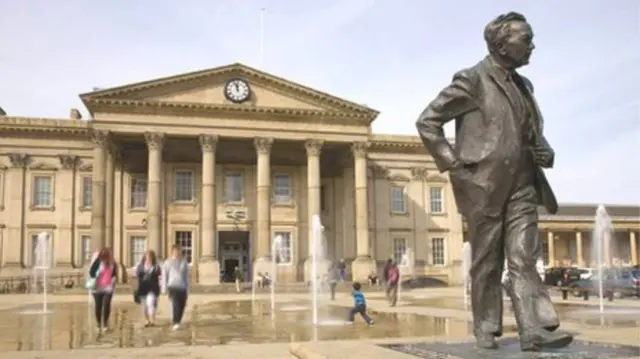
(136,296)
(90,284)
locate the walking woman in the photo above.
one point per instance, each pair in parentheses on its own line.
(102,280)
(148,273)
(175,282)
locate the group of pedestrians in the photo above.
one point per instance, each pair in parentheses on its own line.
(172,278)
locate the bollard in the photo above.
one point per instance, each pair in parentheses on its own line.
(585,295)
(565,294)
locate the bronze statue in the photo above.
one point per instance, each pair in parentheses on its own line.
(495,167)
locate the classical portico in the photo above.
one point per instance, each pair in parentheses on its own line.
(152,125)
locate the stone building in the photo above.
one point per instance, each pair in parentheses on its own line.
(221,161)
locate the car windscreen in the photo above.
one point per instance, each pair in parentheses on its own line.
(636,273)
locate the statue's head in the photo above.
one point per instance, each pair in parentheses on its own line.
(510,39)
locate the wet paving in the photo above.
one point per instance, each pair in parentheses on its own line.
(613,317)
(71,326)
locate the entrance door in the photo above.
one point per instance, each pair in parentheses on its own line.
(229,266)
(234,247)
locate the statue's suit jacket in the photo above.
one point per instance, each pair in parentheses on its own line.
(488,139)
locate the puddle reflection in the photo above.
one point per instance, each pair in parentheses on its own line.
(70,326)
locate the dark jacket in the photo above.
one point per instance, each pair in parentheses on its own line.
(488,139)
(148,281)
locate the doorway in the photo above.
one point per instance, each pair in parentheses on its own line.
(235,251)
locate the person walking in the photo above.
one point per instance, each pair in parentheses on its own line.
(148,273)
(393,276)
(102,279)
(175,282)
(342,267)
(333,278)
(237,276)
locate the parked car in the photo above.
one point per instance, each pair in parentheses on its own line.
(586,273)
(622,281)
(555,276)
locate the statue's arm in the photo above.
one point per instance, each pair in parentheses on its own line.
(454,100)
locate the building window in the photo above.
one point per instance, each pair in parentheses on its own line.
(436,200)
(183,186)
(398,204)
(234,187)
(138,248)
(41,254)
(285,252)
(86,249)
(282,188)
(42,191)
(185,240)
(437,249)
(399,249)
(545,253)
(87,192)
(138,192)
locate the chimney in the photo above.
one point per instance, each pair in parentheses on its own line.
(75,114)
(2,113)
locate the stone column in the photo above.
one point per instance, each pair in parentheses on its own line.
(110,176)
(580,253)
(551,249)
(155,144)
(263,206)
(363,264)
(100,143)
(633,247)
(16,249)
(65,242)
(208,266)
(313,148)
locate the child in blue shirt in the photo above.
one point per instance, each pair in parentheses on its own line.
(360,305)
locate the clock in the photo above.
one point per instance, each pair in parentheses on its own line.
(237,90)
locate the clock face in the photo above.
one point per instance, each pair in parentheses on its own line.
(237,90)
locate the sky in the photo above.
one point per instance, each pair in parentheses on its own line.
(394,56)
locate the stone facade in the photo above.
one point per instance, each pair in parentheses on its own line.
(175,160)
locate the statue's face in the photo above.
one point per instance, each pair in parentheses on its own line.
(519,44)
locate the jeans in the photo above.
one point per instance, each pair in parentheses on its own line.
(392,293)
(362,310)
(178,303)
(102,306)
(149,303)
(332,288)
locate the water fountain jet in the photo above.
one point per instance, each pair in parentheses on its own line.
(466,267)
(41,266)
(601,240)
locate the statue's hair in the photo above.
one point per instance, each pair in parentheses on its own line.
(497,30)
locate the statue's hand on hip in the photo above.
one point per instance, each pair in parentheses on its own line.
(543,156)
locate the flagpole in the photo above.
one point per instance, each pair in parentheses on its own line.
(262,37)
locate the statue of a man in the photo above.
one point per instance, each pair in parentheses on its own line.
(496,173)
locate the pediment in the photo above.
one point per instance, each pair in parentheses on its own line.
(85,167)
(206,88)
(42,166)
(397,177)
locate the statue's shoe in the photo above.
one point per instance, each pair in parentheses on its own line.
(541,339)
